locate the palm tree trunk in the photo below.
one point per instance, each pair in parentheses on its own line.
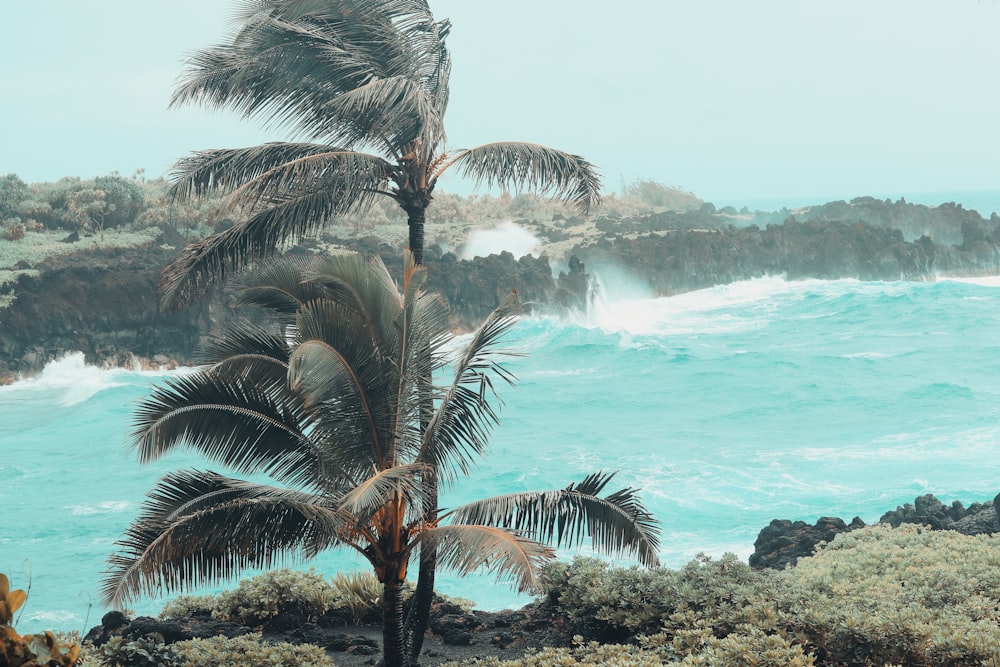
(393,646)
(415,221)
(419,615)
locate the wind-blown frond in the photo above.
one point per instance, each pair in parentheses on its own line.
(232,420)
(224,169)
(531,166)
(459,430)
(277,287)
(350,181)
(365,286)
(291,57)
(394,112)
(502,552)
(616,524)
(353,420)
(200,527)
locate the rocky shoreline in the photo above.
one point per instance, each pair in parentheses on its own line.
(784,542)
(104,302)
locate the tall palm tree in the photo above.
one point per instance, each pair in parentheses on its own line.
(329,405)
(364,85)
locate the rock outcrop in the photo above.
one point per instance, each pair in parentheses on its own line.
(783,542)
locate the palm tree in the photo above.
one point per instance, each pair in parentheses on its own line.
(329,405)
(364,85)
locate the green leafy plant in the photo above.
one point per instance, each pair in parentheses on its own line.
(360,592)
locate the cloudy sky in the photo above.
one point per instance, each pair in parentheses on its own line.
(730,99)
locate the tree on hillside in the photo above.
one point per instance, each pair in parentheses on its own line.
(329,404)
(364,85)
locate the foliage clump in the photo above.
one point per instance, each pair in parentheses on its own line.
(263,597)
(875,596)
(906,596)
(42,650)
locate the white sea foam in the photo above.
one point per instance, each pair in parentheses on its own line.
(983,281)
(106,507)
(507,236)
(73,381)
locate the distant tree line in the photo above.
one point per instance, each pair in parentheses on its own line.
(89,206)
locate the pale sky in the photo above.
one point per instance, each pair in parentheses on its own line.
(729,99)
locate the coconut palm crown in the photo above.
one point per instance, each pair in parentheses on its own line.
(329,405)
(363,86)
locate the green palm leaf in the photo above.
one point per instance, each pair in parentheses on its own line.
(242,340)
(531,166)
(390,113)
(291,57)
(232,420)
(617,523)
(198,527)
(500,551)
(459,430)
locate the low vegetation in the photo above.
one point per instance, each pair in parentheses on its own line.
(878,596)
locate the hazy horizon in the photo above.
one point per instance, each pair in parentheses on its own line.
(734,102)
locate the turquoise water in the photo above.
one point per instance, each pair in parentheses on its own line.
(728,406)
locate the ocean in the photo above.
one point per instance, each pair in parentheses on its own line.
(728,407)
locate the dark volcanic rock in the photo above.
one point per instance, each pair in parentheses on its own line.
(783,542)
(978,518)
(172,630)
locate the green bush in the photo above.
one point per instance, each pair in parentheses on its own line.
(906,595)
(245,651)
(613,602)
(248,651)
(260,598)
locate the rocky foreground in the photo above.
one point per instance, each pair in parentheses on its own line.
(458,634)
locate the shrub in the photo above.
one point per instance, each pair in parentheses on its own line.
(360,592)
(15,232)
(279,591)
(248,651)
(905,595)
(613,603)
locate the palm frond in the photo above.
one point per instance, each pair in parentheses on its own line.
(366,287)
(230,418)
(243,339)
(289,58)
(616,524)
(459,430)
(503,552)
(374,493)
(392,113)
(292,214)
(353,422)
(530,166)
(278,287)
(197,528)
